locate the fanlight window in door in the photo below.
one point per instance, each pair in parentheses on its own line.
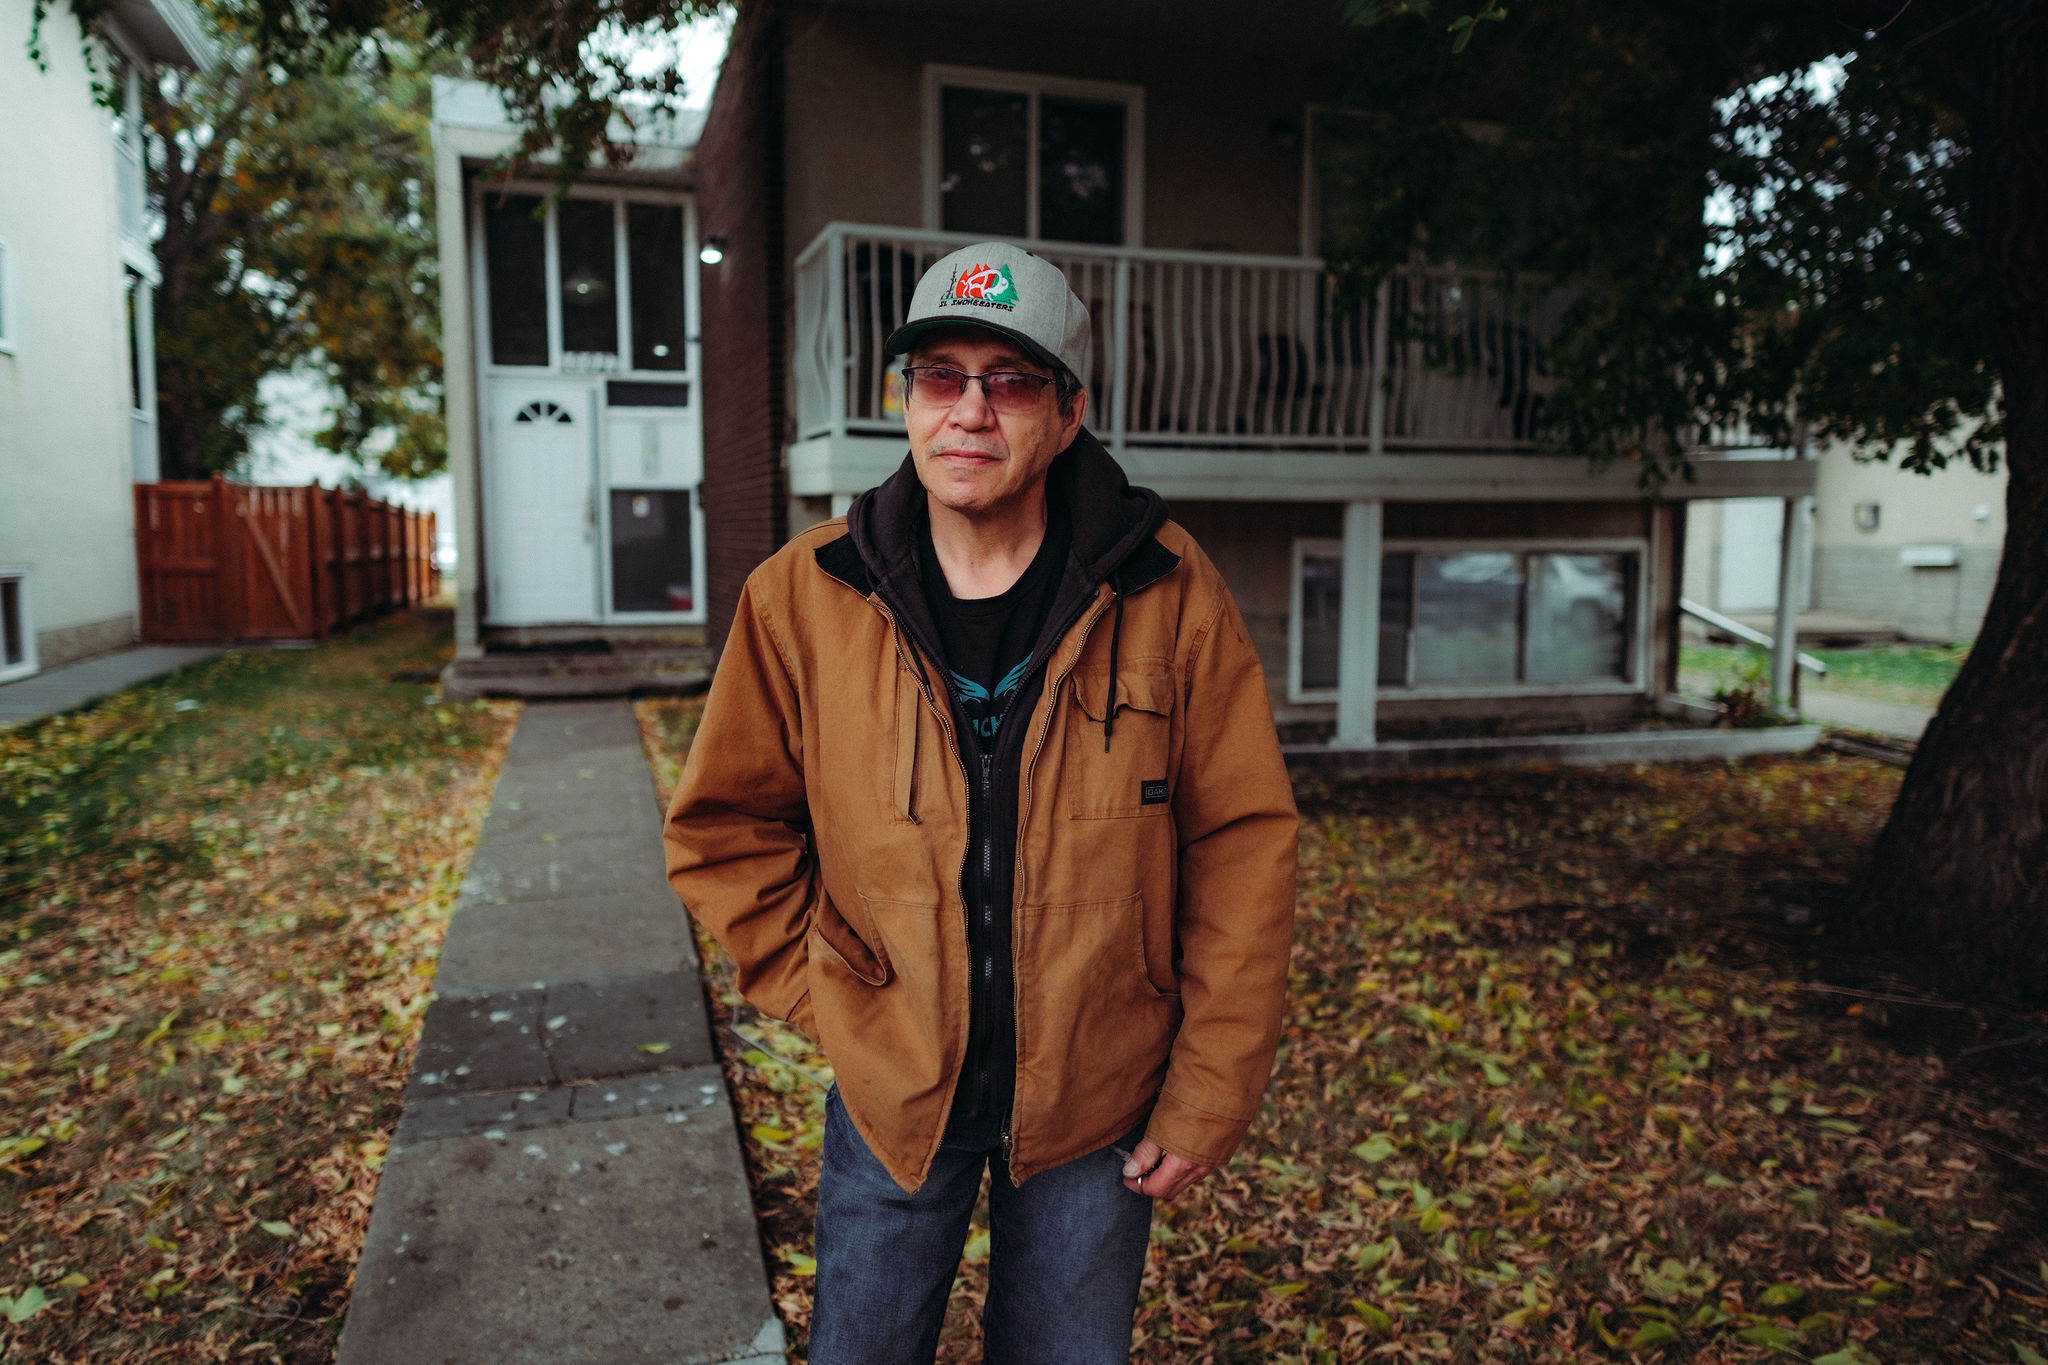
(544,410)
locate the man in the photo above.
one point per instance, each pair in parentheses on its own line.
(987,800)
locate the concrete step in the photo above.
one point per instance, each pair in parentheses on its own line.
(559,675)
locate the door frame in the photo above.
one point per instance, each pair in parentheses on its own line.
(691,374)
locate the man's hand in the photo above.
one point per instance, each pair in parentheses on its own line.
(1155,1171)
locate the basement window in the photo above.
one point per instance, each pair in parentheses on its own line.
(1477,619)
(17,634)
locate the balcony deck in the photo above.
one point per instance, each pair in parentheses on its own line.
(1240,377)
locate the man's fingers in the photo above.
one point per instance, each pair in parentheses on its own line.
(1152,1170)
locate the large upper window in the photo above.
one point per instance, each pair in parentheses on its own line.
(590,283)
(1476,617)
(1034,157)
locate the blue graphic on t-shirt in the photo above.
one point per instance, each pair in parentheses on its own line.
(985,709)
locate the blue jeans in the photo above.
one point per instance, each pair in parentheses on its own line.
(1066,1252)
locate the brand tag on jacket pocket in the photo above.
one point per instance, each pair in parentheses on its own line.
(1152,793)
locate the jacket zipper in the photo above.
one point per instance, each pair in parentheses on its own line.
(988,912)
(952,746)
(1052,693)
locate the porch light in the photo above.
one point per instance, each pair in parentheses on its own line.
(713,250)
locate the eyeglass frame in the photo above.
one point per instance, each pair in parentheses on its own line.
(910,372)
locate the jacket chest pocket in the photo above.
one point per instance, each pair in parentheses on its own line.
(1131,774)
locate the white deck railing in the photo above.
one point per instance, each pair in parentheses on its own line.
(1205,349)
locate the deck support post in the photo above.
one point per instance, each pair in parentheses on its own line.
(1358,634)
(1794,554)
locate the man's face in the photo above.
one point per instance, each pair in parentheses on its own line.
(971,458)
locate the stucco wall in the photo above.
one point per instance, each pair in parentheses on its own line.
(66,462)
(1859,571)
(1222,151)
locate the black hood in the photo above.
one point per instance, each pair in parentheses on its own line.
(1112,521)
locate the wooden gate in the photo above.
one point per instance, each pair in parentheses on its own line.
(223,561)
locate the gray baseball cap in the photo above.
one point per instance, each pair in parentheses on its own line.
(1007,290)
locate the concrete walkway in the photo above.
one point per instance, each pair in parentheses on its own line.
(566,1183)
(1842,711)
(60,689)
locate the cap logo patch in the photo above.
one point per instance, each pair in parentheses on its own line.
(984,286)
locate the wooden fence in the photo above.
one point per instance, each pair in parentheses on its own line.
(228,561)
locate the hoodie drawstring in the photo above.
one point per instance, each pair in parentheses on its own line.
(1115,635)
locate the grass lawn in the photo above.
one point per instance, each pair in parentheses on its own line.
(1559,1083)
(221,898)
(1914,674)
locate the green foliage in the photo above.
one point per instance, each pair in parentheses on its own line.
(1917,674)
(299,234)
(567,70)
(1579,142)
(1745,702)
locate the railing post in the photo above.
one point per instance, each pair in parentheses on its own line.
(1376,369)
(838,319)
(1119,371)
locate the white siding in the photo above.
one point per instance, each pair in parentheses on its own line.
(66,509)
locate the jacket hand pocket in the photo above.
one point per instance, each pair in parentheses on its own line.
(1130,775)
(829,928)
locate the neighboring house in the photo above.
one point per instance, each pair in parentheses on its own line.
(1918,554)
(1407,564)
(77,363)
(574,384)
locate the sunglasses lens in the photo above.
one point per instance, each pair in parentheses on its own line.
(937,387)
(1008,392)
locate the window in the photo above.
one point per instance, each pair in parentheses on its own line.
(1484,618)
(1318,612)
(17,630)
(136,340)
(654,251)
(1034,157)
(652,559)
(7,303)
(515,253)
(594,283)
(590,277)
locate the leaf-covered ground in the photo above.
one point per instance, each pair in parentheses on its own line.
(1560,1082)
(221,899)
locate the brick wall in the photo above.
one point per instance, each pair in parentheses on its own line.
(740,197)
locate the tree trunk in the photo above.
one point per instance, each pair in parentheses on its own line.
(1959,880)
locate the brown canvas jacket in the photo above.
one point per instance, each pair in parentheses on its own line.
(821,822)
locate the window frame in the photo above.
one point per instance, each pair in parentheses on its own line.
(1638,655)
(30,664)
(1033,86)
(619,196)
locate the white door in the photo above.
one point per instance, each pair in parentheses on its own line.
(540,479)
(1751,529)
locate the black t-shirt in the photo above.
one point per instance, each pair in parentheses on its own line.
(989,640)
